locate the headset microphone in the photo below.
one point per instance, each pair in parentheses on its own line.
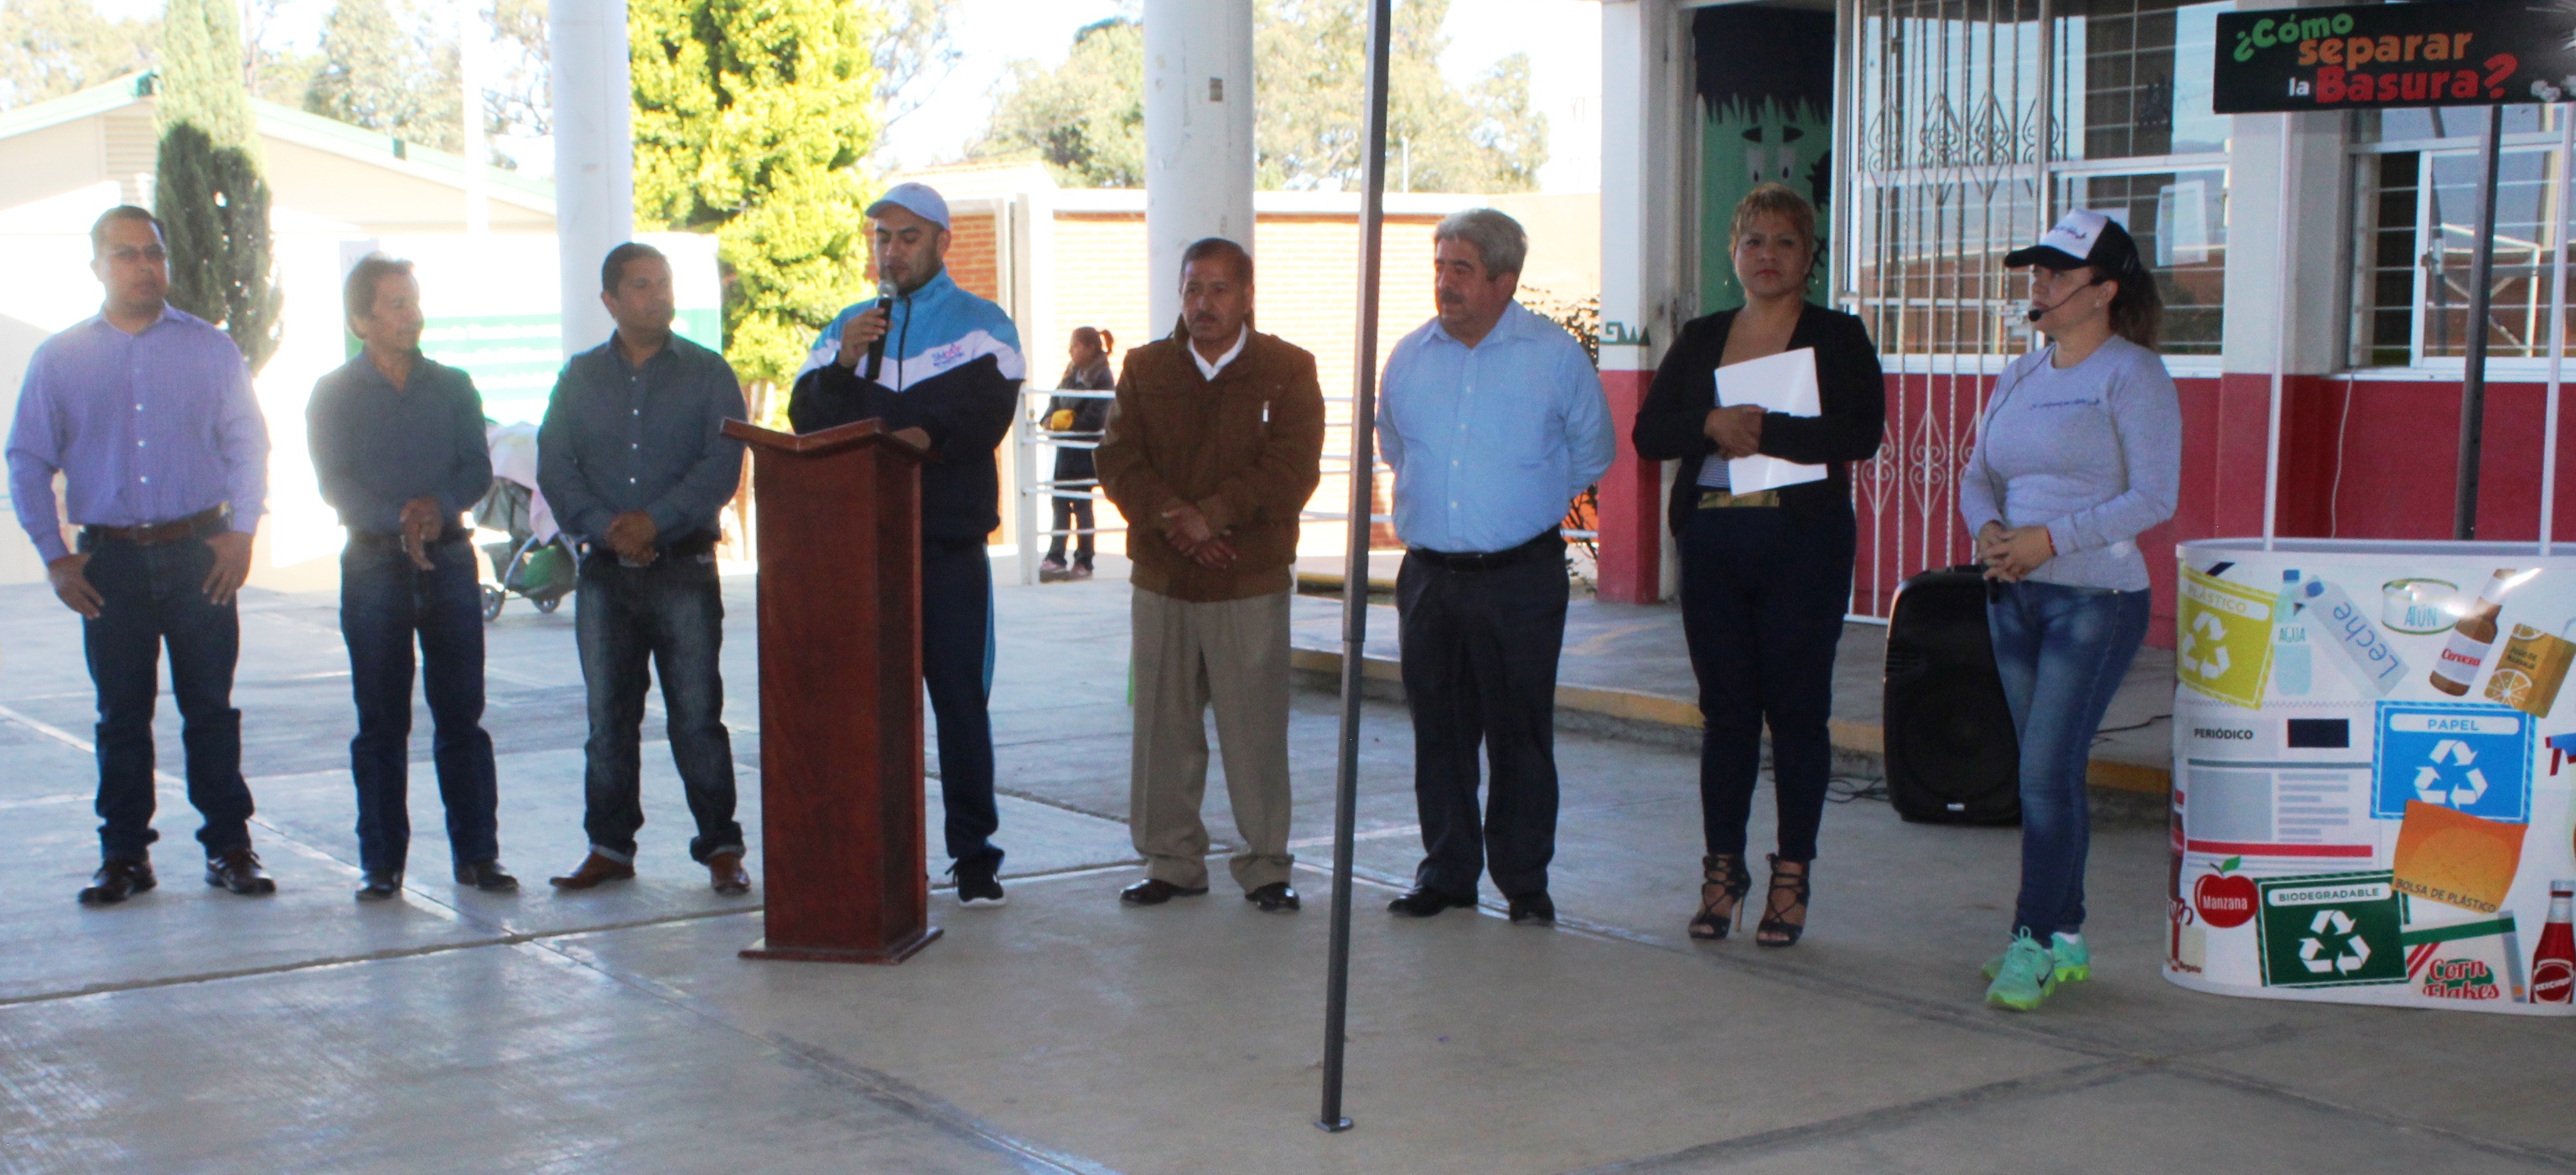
(876,350)
(2039,312)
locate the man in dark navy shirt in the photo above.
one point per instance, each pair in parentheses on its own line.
(633,458)
(398,445)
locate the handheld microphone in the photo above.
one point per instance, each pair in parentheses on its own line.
(876,350)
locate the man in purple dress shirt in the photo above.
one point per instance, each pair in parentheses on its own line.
(147,412)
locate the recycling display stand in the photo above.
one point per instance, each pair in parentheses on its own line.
(2345,828)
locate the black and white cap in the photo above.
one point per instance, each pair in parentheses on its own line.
(2082,237)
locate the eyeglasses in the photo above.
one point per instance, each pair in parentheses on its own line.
(129,255)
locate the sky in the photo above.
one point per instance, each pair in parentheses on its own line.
(1562,37)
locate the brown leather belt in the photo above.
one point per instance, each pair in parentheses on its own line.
(201,524)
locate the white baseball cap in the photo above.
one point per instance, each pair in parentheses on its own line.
(919,199)
(2082,237)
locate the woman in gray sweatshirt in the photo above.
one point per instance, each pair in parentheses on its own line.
(2079,451)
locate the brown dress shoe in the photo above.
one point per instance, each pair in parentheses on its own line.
(117,879)
(239,871)
(725,873)
(595,869)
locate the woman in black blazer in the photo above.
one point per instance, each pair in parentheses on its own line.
(1766,577)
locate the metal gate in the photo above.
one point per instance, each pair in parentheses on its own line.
(1947,123)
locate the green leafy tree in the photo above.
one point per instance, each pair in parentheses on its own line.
(375,74)
(749,120)
(49,48)
(208,190)
(1085,119)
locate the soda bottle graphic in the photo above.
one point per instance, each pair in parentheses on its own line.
(2456,669)
(2293,664)
(2553,964)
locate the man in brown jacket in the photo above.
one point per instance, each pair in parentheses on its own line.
(1212,449)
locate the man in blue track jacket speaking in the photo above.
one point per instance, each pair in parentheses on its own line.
(947,378)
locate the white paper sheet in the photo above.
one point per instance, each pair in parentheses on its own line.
(1785,383)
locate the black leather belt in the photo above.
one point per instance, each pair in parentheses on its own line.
(368,538)
(1548,544)
(203,524)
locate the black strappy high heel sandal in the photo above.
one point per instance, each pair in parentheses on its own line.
(1726,874)
(1775,929)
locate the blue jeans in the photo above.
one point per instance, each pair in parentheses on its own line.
(670,614)
(2061,652)
(957,668)
(151,597)
(386,603)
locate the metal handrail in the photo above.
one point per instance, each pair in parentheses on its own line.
(1027,435)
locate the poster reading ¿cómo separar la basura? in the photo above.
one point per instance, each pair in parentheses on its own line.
(2374,749)
(2462,53)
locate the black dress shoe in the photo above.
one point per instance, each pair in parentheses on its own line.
(239,871)
(1424,902)
(1154,891)
(487,876)
(117,879)
(1533,909)
(375,885)
(1274,897)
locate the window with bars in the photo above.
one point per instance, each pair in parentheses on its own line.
(1949,142)
(2416,180)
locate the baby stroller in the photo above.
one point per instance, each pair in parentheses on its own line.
(536,562)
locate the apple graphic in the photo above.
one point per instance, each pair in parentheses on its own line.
(2225,899)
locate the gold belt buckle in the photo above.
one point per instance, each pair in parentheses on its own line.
(1720,499)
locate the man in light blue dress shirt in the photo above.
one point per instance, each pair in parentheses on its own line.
(1493,419)
(148,414)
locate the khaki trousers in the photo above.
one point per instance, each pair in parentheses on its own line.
(1233,654)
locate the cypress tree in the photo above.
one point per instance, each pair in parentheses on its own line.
(209,191)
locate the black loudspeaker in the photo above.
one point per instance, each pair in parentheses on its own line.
(1952,757)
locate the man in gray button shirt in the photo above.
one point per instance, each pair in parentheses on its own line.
(398,445)
(633,458)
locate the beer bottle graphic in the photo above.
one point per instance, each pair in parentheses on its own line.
(2456,669)
(2553,964)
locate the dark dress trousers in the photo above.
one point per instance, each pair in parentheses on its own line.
(1765,588)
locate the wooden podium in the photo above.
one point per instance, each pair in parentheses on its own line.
(842,858)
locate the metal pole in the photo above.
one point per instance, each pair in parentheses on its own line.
(471,34)
(2557,330)
(1355,568)
(2283,315)
(2473,390)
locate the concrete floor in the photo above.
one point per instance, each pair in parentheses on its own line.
(190,1030)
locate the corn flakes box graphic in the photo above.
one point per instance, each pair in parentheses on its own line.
(2348,826)
(2468,962)
(2330,930)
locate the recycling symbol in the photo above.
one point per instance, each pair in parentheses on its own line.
(2347,956)
(2203,623)
(2432,788)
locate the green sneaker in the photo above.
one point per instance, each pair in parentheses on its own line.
(2074,960)
(2027,976)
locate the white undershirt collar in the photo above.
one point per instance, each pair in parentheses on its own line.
(1208,370)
